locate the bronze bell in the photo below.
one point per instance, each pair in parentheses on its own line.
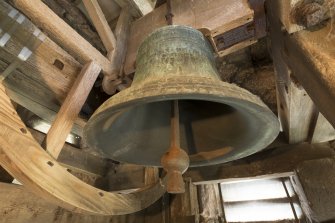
(219,122)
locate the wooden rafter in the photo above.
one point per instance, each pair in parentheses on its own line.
(101,25)
(62,33)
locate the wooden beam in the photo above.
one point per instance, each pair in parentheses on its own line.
(62,33)
(206,16)
(118,57)
(40,83)
(18,204)
(184,207)
(24,159)
(275,162)
(126,177)
(272,163)
(77,159)
(298,15)
(42,111)
(144,6)
(310,57)
(314,183)
(304,63)
(137,8)
(70,109)
(151,175)
(210,203)
(100,24)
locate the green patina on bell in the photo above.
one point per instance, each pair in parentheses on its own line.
(219,122)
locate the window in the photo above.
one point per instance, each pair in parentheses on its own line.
(268,200)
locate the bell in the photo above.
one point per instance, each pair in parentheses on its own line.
(218,122)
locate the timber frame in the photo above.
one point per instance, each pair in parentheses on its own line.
(45,170)
(25,159)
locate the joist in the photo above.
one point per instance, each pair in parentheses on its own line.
(304,64)
(48,179)
(206,16)
(100,24)
(70,109)
(62,33)
(272,163)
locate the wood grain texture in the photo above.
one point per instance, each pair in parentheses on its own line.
(117,57)
(24,159)
(315,185)
(77,159)
(137,8)
(151,175)
(305,85)
(206,16)
(20,206)
(38,84)
(70,109)
(46,113)
(311,57)
(62,33)
(272,163)
(100,24)
(184,207)
(210,204)
(144,6)
(275,162)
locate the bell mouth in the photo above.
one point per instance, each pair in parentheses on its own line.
(217,125)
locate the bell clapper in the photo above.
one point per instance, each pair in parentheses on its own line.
(175,161)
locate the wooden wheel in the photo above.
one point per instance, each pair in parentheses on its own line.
(26,160)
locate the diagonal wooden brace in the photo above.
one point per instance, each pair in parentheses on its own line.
(70,109)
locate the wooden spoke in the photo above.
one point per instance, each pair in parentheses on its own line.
(70,109)
(25,159)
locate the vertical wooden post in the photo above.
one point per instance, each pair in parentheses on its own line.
(70,109)
(118,55)
(151,175)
